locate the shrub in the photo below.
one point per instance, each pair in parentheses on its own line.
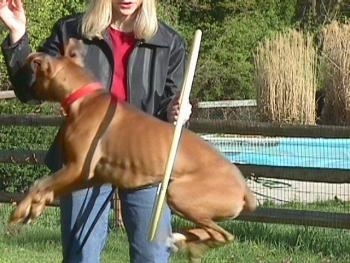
(285,79)
(335,73)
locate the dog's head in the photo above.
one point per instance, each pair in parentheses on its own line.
(57,77)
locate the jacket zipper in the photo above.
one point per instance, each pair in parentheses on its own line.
(107,41)
(131,61)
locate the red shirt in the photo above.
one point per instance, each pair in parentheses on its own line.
(123,44)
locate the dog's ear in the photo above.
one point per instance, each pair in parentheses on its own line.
(37,61)
(75,50)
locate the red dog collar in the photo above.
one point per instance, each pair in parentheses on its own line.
(79,93)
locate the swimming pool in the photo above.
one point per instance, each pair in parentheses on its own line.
(286,152)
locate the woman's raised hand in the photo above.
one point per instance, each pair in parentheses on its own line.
(12,14)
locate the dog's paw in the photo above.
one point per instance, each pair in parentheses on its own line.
(21,212)
(176,242)
(30,207)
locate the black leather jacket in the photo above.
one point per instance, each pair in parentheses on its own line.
(155,68)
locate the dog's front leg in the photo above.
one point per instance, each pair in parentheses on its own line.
(43,192)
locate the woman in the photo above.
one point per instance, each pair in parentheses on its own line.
(139,60)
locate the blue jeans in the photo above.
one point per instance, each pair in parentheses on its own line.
(79,210)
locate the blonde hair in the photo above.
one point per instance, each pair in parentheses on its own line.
(98,17)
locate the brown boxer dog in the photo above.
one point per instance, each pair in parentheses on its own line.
(107,141)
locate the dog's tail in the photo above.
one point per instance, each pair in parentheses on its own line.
(250,200)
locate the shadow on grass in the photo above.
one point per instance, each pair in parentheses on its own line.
(31,236)
(316,240)
(43,232)
(332,243)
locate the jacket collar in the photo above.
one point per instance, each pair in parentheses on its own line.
(161,37)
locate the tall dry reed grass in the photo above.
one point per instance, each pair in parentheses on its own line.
(335,61)
(285,78)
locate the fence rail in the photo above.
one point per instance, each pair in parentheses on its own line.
(268,129)
(226,104)
(22,156)
(29,120)
(7,94)
(267,215)
(298,217)
(14,198)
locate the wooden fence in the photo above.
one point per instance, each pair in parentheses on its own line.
(267,215)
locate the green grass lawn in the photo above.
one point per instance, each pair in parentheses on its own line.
(255,242)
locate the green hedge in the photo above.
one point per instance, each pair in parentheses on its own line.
(14,177)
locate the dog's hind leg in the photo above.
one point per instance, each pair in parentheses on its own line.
(211,225)
(196,242)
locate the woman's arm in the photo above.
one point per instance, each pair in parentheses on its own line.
(15,47)
(20,77)
(15,56)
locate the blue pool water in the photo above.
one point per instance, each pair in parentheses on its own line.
(287,152)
